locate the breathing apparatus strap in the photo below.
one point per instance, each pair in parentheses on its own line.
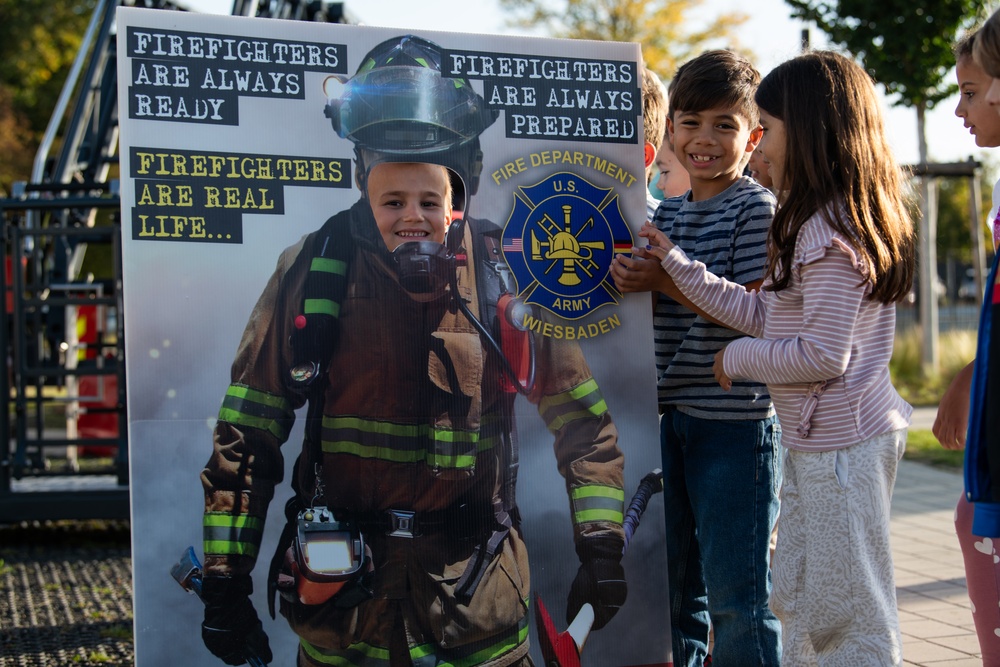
(314,339)
(488,287)
(317,327)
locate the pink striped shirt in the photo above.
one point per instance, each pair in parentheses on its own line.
(821,345)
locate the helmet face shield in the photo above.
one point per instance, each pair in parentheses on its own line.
(399,108)
(409,110)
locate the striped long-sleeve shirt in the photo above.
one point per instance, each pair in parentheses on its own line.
(822,345)
(728,233)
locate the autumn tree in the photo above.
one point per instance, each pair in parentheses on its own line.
(38,42)
(670,31)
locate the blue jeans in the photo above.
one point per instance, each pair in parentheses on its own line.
(721,481)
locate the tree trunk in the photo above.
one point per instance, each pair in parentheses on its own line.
(979,267)
(927,255)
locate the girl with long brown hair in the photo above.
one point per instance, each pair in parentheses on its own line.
(840,255)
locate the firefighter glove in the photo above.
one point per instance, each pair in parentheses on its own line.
(231,630)
(599,581)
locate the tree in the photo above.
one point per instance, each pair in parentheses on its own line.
(38,42)
(953,238)
(15,149)
(663,27)
(906,45)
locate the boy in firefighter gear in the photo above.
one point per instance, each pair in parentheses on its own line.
(376,321)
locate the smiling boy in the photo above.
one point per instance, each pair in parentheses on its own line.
(720,448)
(411,201)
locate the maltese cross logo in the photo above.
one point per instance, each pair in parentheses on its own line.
(559,242)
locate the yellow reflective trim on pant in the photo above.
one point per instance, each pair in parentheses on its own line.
(358,654)
(361,654)
(248,407)
(584,401)
(595,502)
(227,535)
(402,443)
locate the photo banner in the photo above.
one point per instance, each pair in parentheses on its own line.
(258,154)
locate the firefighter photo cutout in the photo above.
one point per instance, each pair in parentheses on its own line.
(386,405)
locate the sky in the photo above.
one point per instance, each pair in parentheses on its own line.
(770,34)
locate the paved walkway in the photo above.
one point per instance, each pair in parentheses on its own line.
(934,607)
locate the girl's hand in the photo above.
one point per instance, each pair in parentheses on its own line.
(720,375)
(659,245)
(953,412)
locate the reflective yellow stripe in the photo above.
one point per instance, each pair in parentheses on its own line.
(358,654)
(584,401)
(321,307)
(326,265)
(248,407)
(226,534)
(595,502)
(403,443)
(361,654)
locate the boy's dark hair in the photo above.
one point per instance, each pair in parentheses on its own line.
(714,79)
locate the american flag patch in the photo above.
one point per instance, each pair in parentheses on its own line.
(512,245)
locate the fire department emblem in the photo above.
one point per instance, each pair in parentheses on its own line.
(559,242)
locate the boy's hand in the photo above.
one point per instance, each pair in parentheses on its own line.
(640,273)
(720,374)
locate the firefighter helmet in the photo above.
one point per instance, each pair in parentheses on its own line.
(398,107)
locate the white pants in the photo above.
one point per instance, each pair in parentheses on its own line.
(834,589)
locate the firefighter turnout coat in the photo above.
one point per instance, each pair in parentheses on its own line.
(412,419)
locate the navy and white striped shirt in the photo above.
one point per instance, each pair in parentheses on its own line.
(728,233)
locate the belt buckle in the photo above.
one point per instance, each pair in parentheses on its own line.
(402,524)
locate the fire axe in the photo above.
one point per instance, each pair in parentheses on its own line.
(562,649)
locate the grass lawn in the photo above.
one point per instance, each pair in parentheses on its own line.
(922,446)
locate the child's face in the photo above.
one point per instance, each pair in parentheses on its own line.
(758,168)
(982,119)
(710,145)
(993,95)
(772,148)
(410,201)
(673,180)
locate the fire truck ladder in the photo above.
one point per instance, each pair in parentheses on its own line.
(64,417)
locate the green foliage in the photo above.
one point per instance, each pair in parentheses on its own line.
(663,27)
(38,42)
(954,238)
(922,446)
(122,632)
(957,349)
(905,44)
